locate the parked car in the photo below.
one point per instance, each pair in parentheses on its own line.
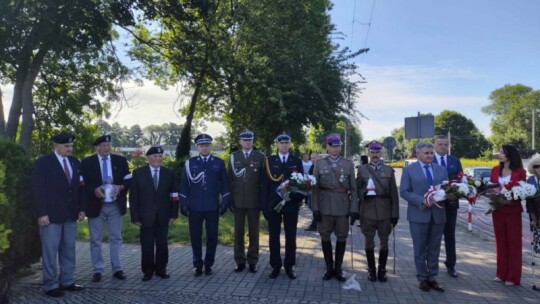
(483,173)
(409,161)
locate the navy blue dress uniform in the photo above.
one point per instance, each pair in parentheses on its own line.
(278,172)
(96,169)
(153,206)
(56,194)
(204,194)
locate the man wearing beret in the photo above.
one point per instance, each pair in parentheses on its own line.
(153,202)
(334,199)
(102,170)
(204,181)
(246,170)
(279,168)
(56,193)
(379,208)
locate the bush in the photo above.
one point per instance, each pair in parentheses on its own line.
(19,233)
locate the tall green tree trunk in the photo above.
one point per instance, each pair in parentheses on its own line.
(184,145)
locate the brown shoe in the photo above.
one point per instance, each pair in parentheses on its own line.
(424,285)
(435,286)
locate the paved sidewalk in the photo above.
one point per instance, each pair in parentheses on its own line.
(476,265)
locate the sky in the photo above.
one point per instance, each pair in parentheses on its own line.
(425,56)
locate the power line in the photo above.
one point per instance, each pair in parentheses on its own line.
(354,20)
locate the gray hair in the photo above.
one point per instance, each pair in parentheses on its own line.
(421,145)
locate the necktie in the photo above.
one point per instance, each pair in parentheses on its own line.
(443,163)
(246,155)
(428,175)
(284,159)
(105,170)
(66,171)
(155,178)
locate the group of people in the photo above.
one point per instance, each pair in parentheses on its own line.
(65,190)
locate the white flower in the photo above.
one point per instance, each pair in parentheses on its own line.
(477,183)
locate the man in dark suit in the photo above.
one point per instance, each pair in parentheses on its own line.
(426,223)
(204,180)
(453,167)
(56,191)
(153,202)
(279,169)
(245,172)
(102,170)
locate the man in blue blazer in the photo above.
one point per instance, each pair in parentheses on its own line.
(56,193)
(453,167)
(426,223)
(97,170)
(204,181)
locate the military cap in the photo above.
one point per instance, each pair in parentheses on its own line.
(202,139)
(333,140)
(102,138)
(154,150)
(246,134)
(63,138)
(374,146)
(283,137)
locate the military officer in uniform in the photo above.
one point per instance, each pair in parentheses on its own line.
(335,198)
(245,172)
(379,208)
(279,168)
(204,181)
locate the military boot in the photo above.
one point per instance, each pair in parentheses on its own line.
(372,271)
(340,252)
(328,259)
(381,274)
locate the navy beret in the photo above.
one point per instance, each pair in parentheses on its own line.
(63,138)
(202,139)
(103,138)
(154,150)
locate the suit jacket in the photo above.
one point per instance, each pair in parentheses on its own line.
(517,175)
(148,205)
(412,189)
(205,194)
(91,171)
(276,173)
(245,189)
(533,205)
(453,165)
(52,194)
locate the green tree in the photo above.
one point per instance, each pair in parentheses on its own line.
(512,107)
(467,141)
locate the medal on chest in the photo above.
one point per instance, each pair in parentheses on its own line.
(342,176)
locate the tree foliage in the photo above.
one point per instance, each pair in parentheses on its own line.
(466,139)
(512,107)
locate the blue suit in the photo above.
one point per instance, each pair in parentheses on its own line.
(453,167)
(203,183)
(426,224)
(59,199)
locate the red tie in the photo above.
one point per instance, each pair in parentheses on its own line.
(66,171)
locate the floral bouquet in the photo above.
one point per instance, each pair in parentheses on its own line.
(433,196)
(298,183)
(502,196)
(464,186)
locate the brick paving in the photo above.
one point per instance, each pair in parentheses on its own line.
(476,265)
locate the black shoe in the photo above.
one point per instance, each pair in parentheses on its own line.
(119,275)
(275,272)
(73,287)
(311,228)
(424,285)
(208,270)
(435,286)
(381,274)
(96,277)
(290,273)
(253,268)
(240,268)
(453,273)
(163,275)
(328,274)
(55,293)
(339,275)
(146,277)
(197,271)
(372,274)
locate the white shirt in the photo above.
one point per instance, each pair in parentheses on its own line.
(283,155)
(441,156)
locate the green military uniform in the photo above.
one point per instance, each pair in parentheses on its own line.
(377,211)
(334,198)
(245,181)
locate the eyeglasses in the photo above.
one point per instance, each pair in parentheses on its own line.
(536,166)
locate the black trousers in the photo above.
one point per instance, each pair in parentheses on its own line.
(290,220)
(150,236)
(450,234)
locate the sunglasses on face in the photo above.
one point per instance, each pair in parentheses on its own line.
(536,166)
